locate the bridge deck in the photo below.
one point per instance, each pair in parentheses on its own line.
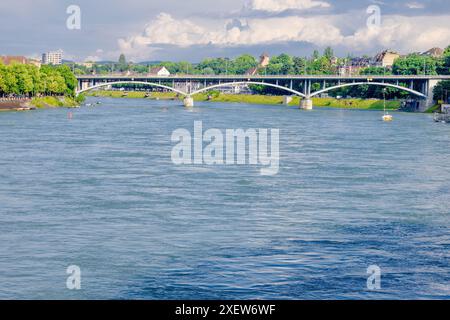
(271,77)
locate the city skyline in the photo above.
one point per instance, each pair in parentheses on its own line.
(177,31)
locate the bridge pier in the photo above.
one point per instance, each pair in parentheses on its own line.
(430,93)
(306,104)
(428,90)
(188,102)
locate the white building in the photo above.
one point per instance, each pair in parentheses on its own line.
(52,57)
(159,71)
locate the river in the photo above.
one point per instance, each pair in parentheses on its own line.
(96,188)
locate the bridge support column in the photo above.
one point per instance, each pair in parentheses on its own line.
(306,104)
(188,102)
(430,92)
(84,85)
(427,103)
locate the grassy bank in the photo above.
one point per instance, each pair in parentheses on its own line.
(433,109)
(53,102)
(370,104)
(257,99)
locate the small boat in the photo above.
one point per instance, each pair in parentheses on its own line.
(441,117)
(386,117)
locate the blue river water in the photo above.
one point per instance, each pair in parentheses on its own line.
(97,188)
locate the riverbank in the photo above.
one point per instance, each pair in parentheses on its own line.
(41,102)
(54,102)
(361,104)
(13,104)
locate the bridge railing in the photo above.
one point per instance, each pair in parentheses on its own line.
(296,77)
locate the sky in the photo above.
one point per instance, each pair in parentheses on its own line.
(192,30)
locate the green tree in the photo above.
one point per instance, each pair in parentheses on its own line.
(445,67)
(447,51)
(416,64)
(328,53)
(316,55)
(274,68)
(298,65)
(208,71)
(219,65)
(442,91)
(36,76)
(55,83)
(184,67)
(122,59)
(243,63)
(3,86)
(282,64)
(320,66)
(11,82)
(24,80)
(70,80)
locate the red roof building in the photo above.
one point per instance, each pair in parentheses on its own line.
(7,60)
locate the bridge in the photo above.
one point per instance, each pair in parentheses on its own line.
(420,86)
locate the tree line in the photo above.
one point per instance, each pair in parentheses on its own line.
(29,80)
(283,64)
(317,64)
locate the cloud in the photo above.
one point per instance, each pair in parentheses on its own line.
(396,31)
(278,6)
(96,57)
(415,5)
(401,33)
(165,30)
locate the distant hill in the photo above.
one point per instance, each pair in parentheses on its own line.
(148,62)
(115,62)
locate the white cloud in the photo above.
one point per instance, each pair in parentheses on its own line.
(165,30)
(96,57)
(396,32)
(402,33)
(282,29)
(415,5)
(284,5)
